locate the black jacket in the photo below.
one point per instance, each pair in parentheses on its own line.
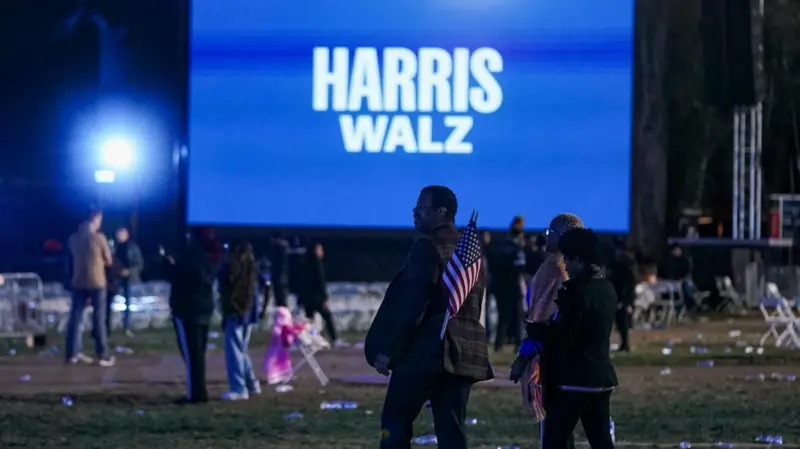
(577,342)
(192,278)
(409,320)
(622,274)
(128,256)
(314,285)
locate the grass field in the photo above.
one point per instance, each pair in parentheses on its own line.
(129,406)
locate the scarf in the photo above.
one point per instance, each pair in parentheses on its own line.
(541,297)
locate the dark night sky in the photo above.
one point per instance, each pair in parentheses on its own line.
(48,78)
(48,75)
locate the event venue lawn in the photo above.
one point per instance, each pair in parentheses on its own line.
(130,405)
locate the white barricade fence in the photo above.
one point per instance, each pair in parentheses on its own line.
(353,305)
(21,297)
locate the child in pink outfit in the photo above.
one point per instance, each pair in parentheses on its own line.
(277,361)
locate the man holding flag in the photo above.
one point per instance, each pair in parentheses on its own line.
(427,332)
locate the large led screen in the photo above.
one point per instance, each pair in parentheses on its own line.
(336,113)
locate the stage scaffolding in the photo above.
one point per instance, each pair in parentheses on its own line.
(747,173)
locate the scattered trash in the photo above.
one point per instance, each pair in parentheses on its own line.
(284,388)
(25,378)
(685,445)
(755,378)
(425,440)
(768,439)
(735,333)
(759,351)
(123,350)
(700,336)
(338,405)
(368,412)
(698,349)
(666,351)
(471,421)
(724,445)
(748,350)
(293,416)
(213,335)
(52,350)
(780,377)
(211,346)
(68,401)
(12,352)
(139,412)
(705,364)
(666,372)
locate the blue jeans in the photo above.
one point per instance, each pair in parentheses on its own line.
(126,316)
(74,343)
(241,377)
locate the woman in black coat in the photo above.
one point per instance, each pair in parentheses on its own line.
(577,373)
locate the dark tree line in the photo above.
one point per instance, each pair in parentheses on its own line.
(683,152)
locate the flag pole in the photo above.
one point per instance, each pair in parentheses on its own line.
(444,324)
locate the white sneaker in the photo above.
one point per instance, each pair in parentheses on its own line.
(231,396)
(129,333)
(107,362)
(80,358)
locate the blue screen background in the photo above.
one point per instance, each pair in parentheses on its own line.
(260,155)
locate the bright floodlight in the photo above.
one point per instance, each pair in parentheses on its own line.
(117,152)
(104,176)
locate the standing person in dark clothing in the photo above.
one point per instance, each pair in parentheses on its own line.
(128,266)
(192,273)
(577,372)
(238,287)
(279,265)
(404,337)
(678,267)
(534,254)
(314,290)
(486,239)
(507,265)
(622,274)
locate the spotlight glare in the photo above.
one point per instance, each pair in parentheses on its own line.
(117,152)
(104,176)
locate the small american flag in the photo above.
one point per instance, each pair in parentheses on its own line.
(463,269)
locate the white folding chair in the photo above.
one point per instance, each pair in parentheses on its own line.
(309,344)
(732,301)
(789,337)
(643,313)
(781,322)
(668,300)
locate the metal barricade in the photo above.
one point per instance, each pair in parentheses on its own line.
(20,305)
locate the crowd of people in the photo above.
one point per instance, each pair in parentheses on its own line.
(510,264)
(563,363)
(102,269)
(557,301)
